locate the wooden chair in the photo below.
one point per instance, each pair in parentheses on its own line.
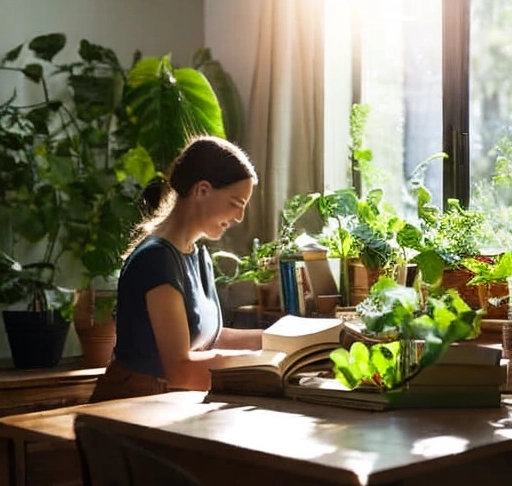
(108,459)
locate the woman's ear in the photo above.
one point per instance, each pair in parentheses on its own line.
(202,188)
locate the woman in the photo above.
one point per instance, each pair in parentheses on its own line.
(169,324)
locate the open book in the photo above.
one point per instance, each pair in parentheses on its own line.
(291,344)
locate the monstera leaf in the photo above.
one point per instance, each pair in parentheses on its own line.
(169,105)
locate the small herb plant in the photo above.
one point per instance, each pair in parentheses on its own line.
(403,316)
(489,270)
(259,266)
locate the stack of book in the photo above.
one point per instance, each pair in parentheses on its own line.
(307,284)
(466,376)
(295,363)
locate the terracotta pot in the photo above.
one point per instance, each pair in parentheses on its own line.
(495,290)
(268,295)
(360,281)
(457,278)
(95,325)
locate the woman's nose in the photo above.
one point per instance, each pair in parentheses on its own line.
(239,216)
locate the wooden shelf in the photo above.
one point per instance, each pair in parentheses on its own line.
(32,390)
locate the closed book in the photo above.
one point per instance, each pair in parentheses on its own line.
(289,288)
(329,391)
(461,374)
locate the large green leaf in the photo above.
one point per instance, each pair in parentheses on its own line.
(226,91)
(138,164)
(201,100)
(169,106)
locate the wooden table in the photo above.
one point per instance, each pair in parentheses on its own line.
(259,441)
(29,390)
(38,449)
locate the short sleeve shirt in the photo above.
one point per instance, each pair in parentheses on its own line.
(153,263)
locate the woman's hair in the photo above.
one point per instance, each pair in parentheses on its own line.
(210,159)
(204,158)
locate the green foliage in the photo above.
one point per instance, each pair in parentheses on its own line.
(489,270)
(226,91)
(401,316)
(441,238)
(259,266)
(167,105)
(365,228)
(34,285)
(73,166)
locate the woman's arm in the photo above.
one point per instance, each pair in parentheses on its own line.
(183,369)
(239,339)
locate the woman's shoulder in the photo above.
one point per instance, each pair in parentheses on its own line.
(152,247)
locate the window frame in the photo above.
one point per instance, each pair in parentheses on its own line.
(455,96)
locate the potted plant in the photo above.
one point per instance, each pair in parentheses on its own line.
(491,276)
(96,142)
(363,233)
(37,326)
(395,318)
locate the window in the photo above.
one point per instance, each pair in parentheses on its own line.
(401,80)
(490,113)
(436,76)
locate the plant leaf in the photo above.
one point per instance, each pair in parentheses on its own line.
(47,46)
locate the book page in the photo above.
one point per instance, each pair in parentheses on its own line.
(254,359)
(291,333)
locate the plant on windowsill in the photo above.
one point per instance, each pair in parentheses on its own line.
(444,239)
(491,276)
(364,234)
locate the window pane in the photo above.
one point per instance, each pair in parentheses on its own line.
(401,59)
(491,113)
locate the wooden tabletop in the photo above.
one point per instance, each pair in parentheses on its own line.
(320,443)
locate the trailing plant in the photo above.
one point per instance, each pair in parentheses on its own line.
(402,316)
(259,266)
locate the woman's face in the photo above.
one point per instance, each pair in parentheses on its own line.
(221,208)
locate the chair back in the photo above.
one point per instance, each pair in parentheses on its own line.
(108,459)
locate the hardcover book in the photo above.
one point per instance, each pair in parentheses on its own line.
(291,344)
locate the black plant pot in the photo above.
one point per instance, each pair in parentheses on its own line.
(36,338)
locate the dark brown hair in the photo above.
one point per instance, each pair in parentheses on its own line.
(211,159)
(205,158)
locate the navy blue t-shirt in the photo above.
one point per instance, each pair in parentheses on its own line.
(156,262)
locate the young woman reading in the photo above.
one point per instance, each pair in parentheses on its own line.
(169,323)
